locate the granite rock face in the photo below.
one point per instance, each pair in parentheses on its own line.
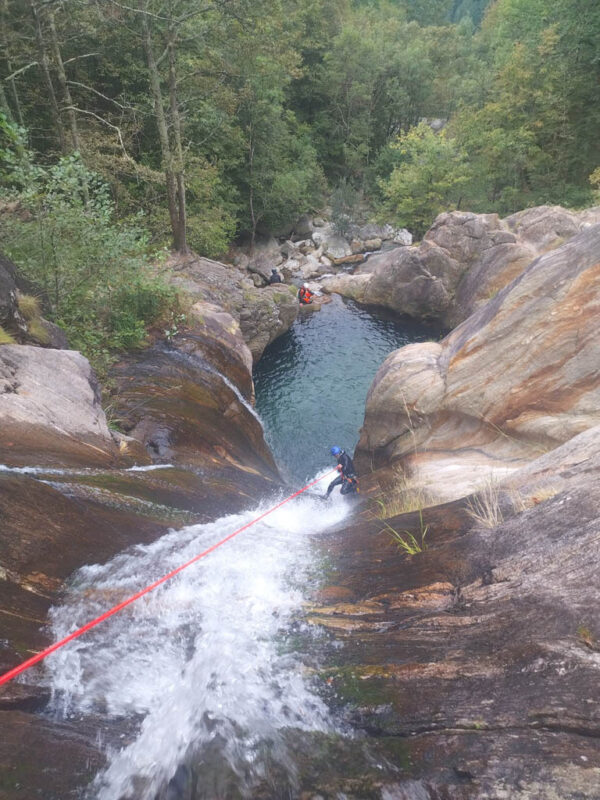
(263,314)
(473,665)
(547,227)
(189,400)
(50,410)
(517,378)
(462,262)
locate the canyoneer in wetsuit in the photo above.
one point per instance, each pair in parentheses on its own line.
(347,477)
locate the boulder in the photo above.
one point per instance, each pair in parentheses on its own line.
(351,286)
(372,244)
(387,233)
(335,246)
(366,246)
(263,264)
(241,260)
(262,313)
(312,268)
(54,336)
(462,262)
(402,236)
(517,378)
(547,227)
(290,268)
(10,317)
(289,249)
(303,227)
(50,411)
(412,281)
(267,315)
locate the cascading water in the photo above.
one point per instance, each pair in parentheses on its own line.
(200,659)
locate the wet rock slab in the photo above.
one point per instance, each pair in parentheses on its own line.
(481,653)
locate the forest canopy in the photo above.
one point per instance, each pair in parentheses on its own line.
(217,119)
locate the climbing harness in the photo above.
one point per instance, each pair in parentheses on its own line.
(353,480)
(12,673)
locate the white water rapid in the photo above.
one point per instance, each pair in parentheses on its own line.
(202,659)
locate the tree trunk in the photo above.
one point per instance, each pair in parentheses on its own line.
(62,79)
(179,165)
(4,104)
(45,67)
(9,67)
(253,218)
(161,124)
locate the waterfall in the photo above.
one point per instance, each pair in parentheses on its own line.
(203,659)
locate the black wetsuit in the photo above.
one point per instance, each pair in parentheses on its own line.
(275,278)
(347,478)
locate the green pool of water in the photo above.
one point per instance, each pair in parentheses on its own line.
(311,384)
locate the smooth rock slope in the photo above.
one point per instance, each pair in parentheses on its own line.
(518,378)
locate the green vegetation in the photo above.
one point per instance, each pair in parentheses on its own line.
(405,540)
(93,271)
(5,338)
(230,119)
(427,180)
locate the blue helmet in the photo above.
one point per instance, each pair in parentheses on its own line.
(335,451)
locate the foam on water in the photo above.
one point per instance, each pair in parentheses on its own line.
(78,471)
(200,657)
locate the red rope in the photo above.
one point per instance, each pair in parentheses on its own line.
(12,673)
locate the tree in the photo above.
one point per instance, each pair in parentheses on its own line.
(169,135)
(429,12)
(428,180)
(280,172)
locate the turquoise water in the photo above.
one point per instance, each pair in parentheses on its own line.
(312,383)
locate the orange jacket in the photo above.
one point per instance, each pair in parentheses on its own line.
(304,295)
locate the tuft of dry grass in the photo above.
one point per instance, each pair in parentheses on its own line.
(398,497)
(521,502)
(484,507)
(5,338)
(400,502)
(29,306)
(587,638)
